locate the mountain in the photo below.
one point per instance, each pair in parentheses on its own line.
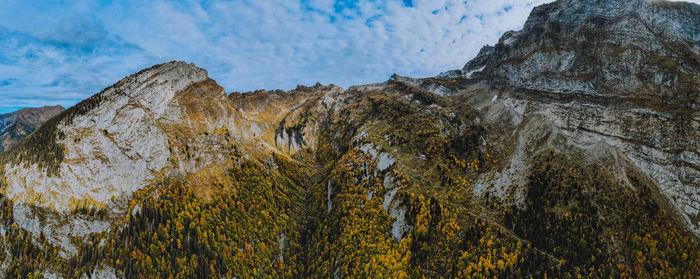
(16,125)
(567,149)
(620,72)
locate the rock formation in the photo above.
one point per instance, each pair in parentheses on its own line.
(606,90)
(621,73)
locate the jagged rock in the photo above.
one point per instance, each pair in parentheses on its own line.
(623,73)
(167,121)
(613,48)
(612,81)
(450,74)
(287,121)
(106,152)
(477,63)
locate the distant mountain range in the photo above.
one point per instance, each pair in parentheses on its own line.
(16,125)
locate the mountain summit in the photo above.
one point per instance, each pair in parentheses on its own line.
(632,48)
(105,145)
(620,72)
(567,149)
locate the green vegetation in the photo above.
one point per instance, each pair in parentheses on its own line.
(23,254)
(601,228)
(238,233)
(41,146)
(323,212)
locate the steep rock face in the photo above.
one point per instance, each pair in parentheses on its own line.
(618,73)
(147,126)
(288,121)
(16,125)
(614,48)
(167,121)
(389,159)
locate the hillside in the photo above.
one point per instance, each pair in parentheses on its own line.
(567,149)
(16,125)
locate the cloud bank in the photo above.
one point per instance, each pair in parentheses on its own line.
(60,53)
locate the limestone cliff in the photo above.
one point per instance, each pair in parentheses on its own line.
(609,85)
(618,73)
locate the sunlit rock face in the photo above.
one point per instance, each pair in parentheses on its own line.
(612,82)
(126,139)
(167,121)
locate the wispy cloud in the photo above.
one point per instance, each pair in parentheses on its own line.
(60,53)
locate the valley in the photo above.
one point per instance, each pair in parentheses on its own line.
(568,149)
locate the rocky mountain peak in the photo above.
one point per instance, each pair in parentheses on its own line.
(25,114)
(620,72)
(635,48)
(117,140)
(570,145)
(154,87)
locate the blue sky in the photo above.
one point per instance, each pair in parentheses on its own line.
(53,52)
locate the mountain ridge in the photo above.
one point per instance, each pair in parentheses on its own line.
(528,161)
(16,125)
(558,29)
(666,101)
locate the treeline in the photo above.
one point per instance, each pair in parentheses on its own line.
(244,231)
(22,254)
(324,214)
(601,228)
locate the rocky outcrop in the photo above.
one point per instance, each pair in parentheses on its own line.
(478,63)
(288,121)
(16,125)
(610,81)
(167,121)
(132,133)
(612,73)
(637,48)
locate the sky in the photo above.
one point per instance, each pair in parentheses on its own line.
(60,52)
